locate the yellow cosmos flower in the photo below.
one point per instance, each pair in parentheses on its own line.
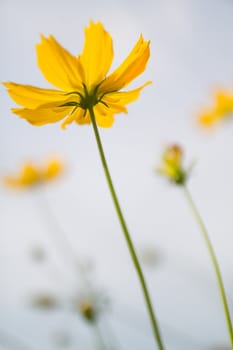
(172,167)
(222,109)
(31,175)
(81,81)
(88,310)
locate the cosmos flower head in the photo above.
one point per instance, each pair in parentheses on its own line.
(172,165)
(81,81)
(221,109)
(44,301)
(91,304)
(31,175)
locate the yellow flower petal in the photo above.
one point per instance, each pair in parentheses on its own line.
(208,118)
(59,67)
(222,109)
(31,175)
(52,169)
(31,96)
(80,116)
(224,102)
(97,54)
(104,116)
(83,117)
(169,172)
(44,114)
(116,101)
(131,67)
(28,176)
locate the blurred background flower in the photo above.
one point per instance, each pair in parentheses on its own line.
(32,175)
(221,110)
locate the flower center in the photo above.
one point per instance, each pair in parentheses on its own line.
(87,99)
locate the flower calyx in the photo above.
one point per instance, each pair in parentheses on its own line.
(87,100)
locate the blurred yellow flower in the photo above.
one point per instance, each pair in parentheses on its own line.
(31,175)
(81,80)
(44,301)
(171,166)
(88,310)
(221,109)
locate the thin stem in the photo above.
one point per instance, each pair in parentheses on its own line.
(214,262)
(60,240)
(127,235)
(63,245)
(114,342)
(100,339)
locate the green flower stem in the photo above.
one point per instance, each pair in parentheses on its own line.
(127,235)
(58,235)
(214,262)
(99,337)
(59,238)
(63,245)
